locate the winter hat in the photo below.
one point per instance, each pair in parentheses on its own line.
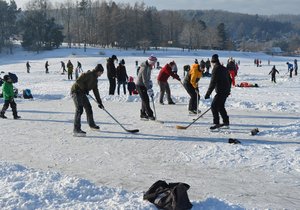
(215,58)
(6,78)
(114,57)
(130,79)
(122,61)
(172,63)
(196,61)
(99,68)
(152,59)
(202,64)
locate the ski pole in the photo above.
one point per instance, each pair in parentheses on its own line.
(198,104)
(185,127)
(154,107)
(130,131)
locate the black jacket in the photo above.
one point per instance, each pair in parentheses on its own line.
(121,73)
(111,69)
(220,81)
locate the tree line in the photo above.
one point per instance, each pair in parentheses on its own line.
(44,25)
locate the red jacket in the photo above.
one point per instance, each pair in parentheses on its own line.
(165,73)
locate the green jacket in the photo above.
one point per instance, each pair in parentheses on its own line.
(8,90)
(86,82)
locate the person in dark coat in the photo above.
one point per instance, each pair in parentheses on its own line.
(122,76)
(207,65)
(273,74)
(46,67)
(131,86)
(79,91)
(111,74)
(28,67)
(220,82)
(63,67)
(296,66)
(70,70)
(162,79)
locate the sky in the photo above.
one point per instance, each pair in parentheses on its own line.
(261,7)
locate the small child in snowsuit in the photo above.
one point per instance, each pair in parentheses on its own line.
(273,74)
(131,86)
(8,95)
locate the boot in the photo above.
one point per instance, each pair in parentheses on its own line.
(79,133)
(17,117)
(143,115)
(2,115)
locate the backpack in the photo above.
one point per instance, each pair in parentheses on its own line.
(172,196)
(27,94)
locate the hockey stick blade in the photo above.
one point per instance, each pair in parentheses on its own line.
(180,127)
(132,131)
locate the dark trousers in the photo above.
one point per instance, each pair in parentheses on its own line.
(164,88)
(218,106)
(146,109)
(124,87)
(273,78)
(13,106)
(296,70)
(112,86)
(194,96)
(81,101)
(70,75)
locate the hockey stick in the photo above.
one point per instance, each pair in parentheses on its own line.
(153,107)
(130,131)
(185,127)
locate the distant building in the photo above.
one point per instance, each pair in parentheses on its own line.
(275,51)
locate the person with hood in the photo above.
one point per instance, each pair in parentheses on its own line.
(220,82)
(111,74)
(8,96)
(162,79)
(273,74)
(79,91)
(122,76)
(190,83)
(70,68)
(131,86)
(144,87)
(232,68)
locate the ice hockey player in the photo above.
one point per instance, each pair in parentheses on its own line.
(162,79)
(79,91)
(220,82)
(8,96)
(144,87)
(290,69)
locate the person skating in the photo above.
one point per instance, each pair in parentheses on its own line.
(296,67)
(122,76)
(70,68)
(47,67)
(78,70)
(8,96)
(162,79)
(220,82)
(190,83)
(273,74)
(63,67)
(290,69)
(86,82)
(144,87)
(28,67)
(111,74)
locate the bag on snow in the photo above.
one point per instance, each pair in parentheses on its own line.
(27,94)
(172,196)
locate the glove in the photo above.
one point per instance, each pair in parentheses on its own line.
(206,96)
(150,84)
(150,92)
(100,105)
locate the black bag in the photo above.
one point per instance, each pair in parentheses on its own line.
(172,196)
(27,94)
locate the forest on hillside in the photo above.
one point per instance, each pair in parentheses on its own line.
(44,25)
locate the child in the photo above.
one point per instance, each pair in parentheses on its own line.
(131,86)
(273,74)
(8,96)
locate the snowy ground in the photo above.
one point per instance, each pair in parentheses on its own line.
(43,166)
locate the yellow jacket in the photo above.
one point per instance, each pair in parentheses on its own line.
(195,74)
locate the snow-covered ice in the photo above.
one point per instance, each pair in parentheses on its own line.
(42,166)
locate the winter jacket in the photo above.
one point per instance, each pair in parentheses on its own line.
(7,90)
(144,76)
(111,69)
(86,82)
(121,73)
(70,67)
(165,73)
(274,71)
(232,67)
(194,75)
(220,81)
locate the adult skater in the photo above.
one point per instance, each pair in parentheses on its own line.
(273,74)
(122,76)
(111,74)
(220,82)
(86,82)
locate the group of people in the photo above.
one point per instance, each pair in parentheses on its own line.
(220,82)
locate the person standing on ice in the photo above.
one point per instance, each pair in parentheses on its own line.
(220,82)
(190,83)
(162,79)
(144,87)
(28,67)
(232,68)
(8,96)
(122,76)
(47,67)
(273,74)
(79,91)
(296,66)
(111,74)
(70,68)
(290,69)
